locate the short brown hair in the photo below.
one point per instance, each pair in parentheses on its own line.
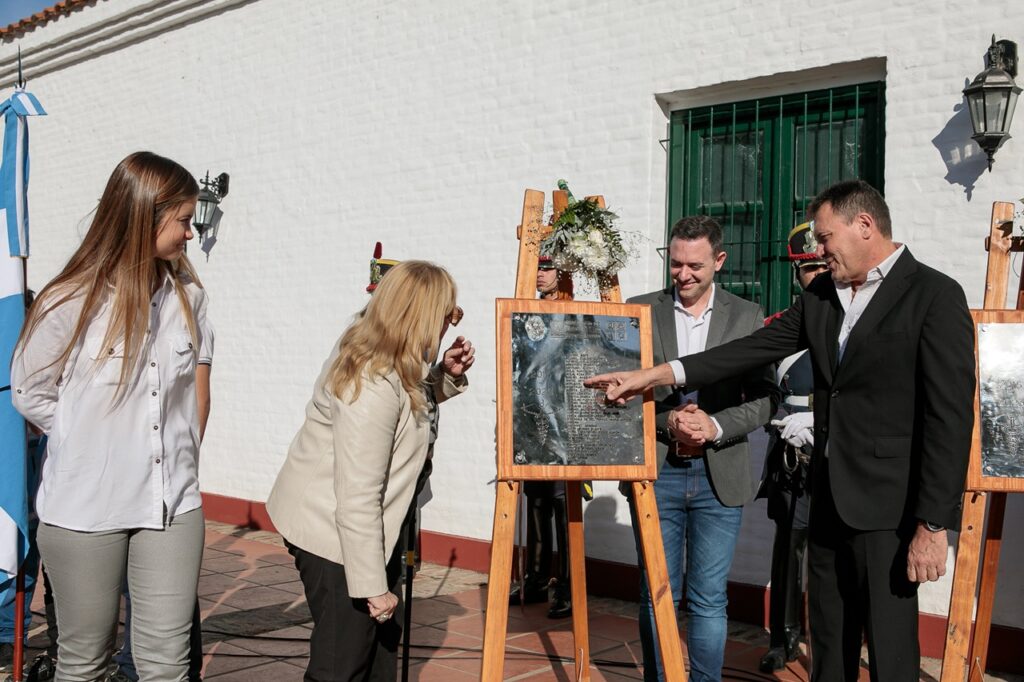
(850,197)
(693,227)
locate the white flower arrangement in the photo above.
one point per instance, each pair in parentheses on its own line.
(585,239)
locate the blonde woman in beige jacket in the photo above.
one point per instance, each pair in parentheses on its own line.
(351,471)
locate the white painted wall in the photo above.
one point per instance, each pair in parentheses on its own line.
(420,125)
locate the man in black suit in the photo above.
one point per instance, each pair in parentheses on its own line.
(891,342)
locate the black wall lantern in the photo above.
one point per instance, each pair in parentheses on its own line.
(207,213)
(992,97)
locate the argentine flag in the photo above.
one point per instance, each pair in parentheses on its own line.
(13,216)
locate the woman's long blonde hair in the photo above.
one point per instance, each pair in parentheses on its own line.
(119,251)
(399,329)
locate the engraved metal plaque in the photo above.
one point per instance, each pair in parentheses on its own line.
(1001,388)
(556,420)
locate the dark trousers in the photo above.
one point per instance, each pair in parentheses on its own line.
(787,584)
(347,645)
(543,509)
(858,585)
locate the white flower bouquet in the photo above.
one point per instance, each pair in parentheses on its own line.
(586,240)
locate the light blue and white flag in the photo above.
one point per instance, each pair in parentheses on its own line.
(13,216)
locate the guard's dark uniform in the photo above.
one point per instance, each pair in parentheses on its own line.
(545,508)
(784,485)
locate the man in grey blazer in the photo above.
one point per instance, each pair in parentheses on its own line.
(703,458)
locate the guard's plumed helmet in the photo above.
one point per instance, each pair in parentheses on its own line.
(379,267)
(803,247)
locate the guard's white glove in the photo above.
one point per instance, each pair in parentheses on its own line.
(797,429)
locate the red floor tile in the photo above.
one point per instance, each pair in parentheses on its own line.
(471,599)
(213,606)
(277,671)
(438,672)
(252,588)
(231,562)
(257,596)
(431,643)
(224,657)
(266,574)
(291,643)
(435,611)
(516,664)
(294,587)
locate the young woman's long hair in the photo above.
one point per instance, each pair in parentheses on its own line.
(118,253)
(399,329)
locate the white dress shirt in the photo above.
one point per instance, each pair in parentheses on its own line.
(129,463)
(692,337)
(854,303)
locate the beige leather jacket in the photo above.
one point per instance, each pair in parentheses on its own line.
(351,472)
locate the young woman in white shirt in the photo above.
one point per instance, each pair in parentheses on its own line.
(106,366)
(351,471)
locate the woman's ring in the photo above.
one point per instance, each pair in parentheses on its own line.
(383,618)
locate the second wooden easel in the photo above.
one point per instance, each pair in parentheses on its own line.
(531,232)
(964,654)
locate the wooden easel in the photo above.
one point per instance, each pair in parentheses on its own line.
(965,655)
(530,233)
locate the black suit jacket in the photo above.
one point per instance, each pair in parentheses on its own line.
(897,413)
(740,404)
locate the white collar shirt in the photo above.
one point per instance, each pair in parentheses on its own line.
(116,464)
(692,330)
(855,302)
(692,337)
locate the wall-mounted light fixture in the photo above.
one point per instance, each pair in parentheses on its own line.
(992,97)
(207,217)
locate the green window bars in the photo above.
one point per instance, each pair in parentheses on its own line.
(756,165)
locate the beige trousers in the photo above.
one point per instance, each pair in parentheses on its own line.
(87,570)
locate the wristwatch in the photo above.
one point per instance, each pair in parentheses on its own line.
(933,527)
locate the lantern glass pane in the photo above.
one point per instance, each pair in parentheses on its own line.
(995,109)
(1010,106)
(976,104)
(204,211)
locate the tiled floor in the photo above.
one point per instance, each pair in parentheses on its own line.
(256,625)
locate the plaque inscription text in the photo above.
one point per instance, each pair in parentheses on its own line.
(555,419)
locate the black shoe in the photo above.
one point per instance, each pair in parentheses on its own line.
(773,660)
(531,595)
(561,602)
(118,676)
(792,643)
(560,608)
(44,669)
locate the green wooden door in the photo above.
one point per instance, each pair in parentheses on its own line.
(756,165)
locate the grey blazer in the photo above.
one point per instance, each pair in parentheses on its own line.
(739,404)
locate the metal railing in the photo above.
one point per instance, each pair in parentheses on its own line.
(755,166)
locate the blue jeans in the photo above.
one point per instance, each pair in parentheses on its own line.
(696,525)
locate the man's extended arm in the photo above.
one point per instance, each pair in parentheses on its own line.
(768,344)
(761,398)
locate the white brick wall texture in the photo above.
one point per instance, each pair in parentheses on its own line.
(420,125)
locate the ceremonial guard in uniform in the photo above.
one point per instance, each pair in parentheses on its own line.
(545,505)
(785,481)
